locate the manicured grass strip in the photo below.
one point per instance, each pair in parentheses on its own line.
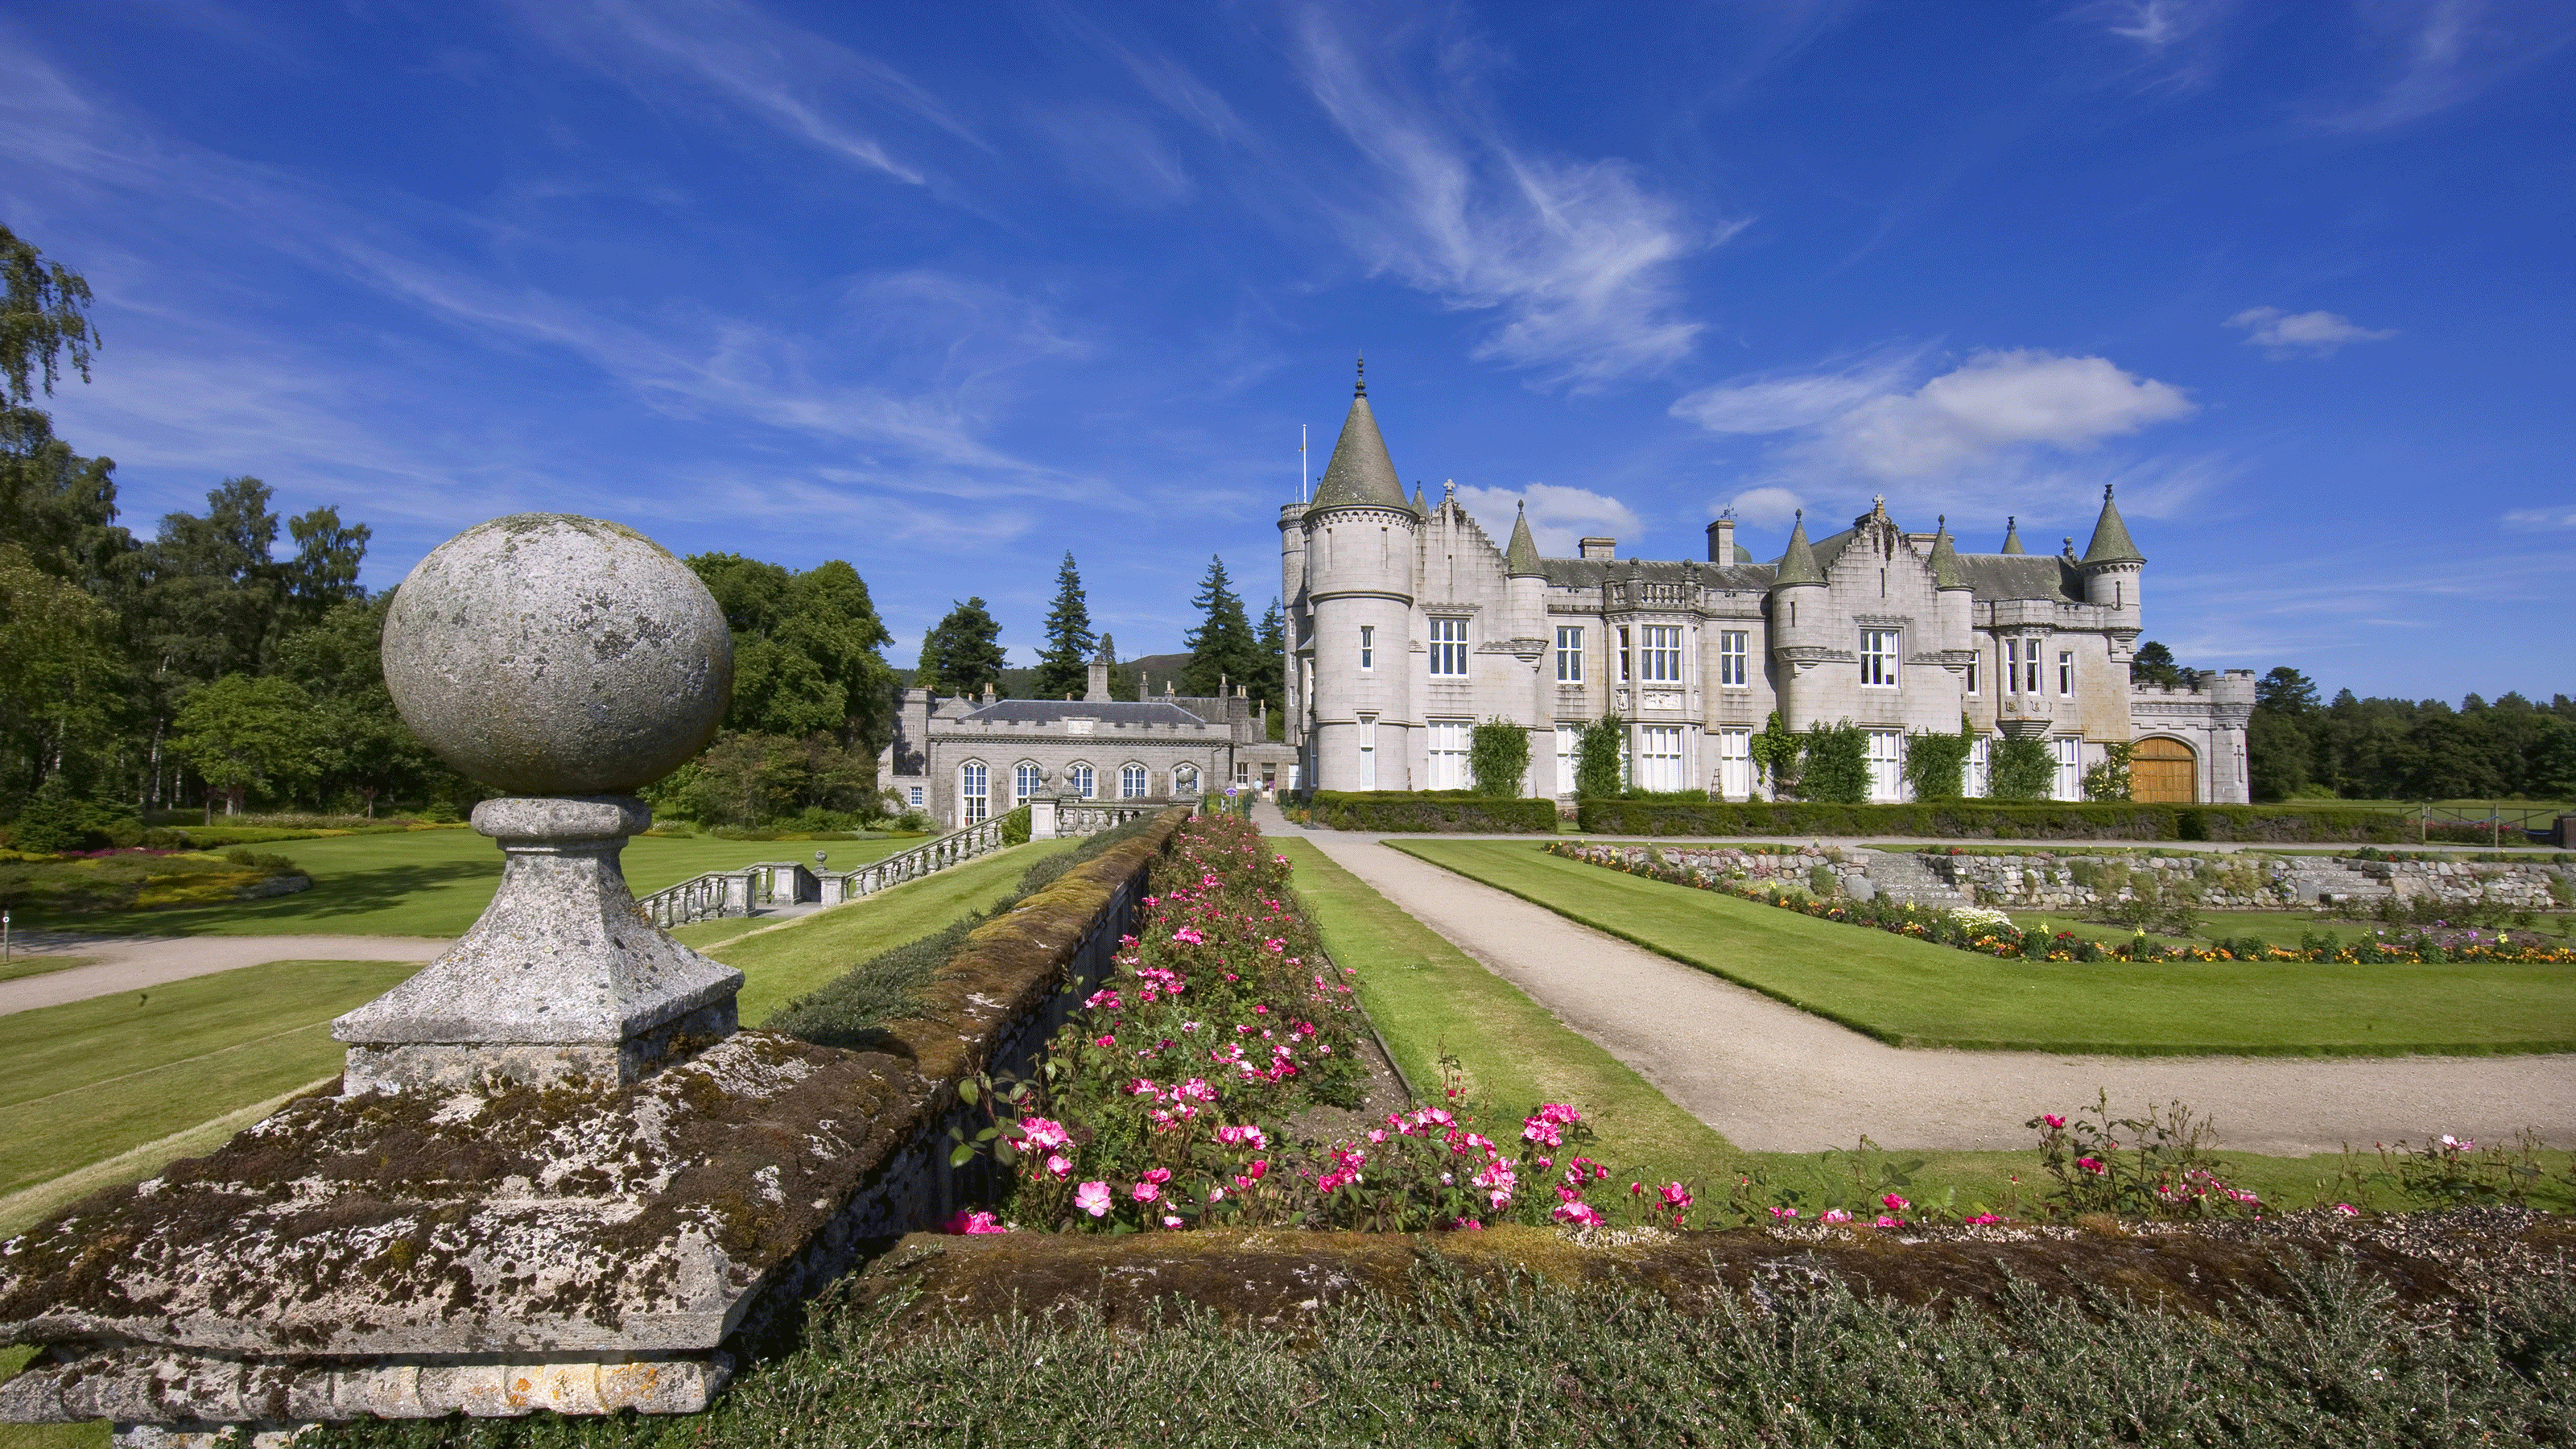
(91,1079)
(435,882)
(788,962)
(1428,997)
(1912,994)
(25,966)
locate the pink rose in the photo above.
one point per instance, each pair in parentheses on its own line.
(1093,1198)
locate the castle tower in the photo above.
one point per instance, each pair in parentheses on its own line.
(1801,632)
(2113,572)
(1361,545)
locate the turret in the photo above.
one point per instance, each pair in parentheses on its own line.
(1956,597)
(2113,567)
(2012,536)
(1361,550)
(1801,633)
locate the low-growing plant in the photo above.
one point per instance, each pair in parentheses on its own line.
(2164,1169)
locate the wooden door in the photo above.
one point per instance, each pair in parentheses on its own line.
(2164,772)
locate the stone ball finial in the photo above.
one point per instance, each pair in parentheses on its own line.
(548,654)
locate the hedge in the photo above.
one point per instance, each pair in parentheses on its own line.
(1403,810)
(1991,820)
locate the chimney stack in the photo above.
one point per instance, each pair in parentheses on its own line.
(1603,549)
(1099,682)
(1721,539)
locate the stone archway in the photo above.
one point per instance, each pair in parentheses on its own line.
(2164,771)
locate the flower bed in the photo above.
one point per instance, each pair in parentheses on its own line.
(1991,933)
(122,880)
(1167,1101)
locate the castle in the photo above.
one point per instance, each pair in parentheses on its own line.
(1407,627)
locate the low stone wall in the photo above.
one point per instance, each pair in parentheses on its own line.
(2049,881)
(576,1250)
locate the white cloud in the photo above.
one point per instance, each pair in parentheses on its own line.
(1558,516)
(2158,24)
(2289,334)
(1576,257)
(1996,401)
(1768,506)
(2447,52)
(1778,404)
(2557,516)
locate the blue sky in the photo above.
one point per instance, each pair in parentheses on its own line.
(947,290)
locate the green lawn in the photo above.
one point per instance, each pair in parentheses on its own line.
(1908,993)
(23,965)
(1427,996)
(435,882)
(92,1083)
(90,1080)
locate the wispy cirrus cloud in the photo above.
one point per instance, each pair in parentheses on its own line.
(2562,515)
(788,78)
(2437,54)
(2285,335)
(1578,259)
(2175,45)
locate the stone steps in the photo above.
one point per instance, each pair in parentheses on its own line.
(1905,876)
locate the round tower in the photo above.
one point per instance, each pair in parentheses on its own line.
(2113,571)
(1801,632)
(1361,548)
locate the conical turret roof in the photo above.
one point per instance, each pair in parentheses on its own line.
(2111,536)
(1522,557)
(1945,560)
(1361,472)
(1420,508)
(2012,536)
(1798,565)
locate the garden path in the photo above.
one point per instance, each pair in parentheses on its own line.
(1773,1078)
(139,963)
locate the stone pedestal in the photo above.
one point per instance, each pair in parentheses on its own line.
(562,976)
(1042,818)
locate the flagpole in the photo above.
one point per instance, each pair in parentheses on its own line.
(1301,464)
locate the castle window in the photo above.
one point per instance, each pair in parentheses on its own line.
(974,794)
(1733,659)
(1659,757)
(1448,648)
(2012,666)
(1025,781)
(1448,753)
(2030,666)
(1131,782)
(1980,755)
(1663,659)
(2065,675)
(1735,764)
(1368,751)
(1368,646)
(1974,661)
(2070,767)
(1569,654)
(916,797)
(1569,742)
(1878,654)
(1625,673)
(1886,765)
(1080,778)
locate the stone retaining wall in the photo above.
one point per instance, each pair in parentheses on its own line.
(575,1250)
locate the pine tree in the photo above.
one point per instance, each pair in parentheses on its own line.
(964,653)
(1223,651)
(1065,666)
(1270,682)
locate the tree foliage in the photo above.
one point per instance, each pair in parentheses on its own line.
(963,652)
(1498,753)
(2021,769)
(246,732)
(44,318)
(1064,666)
(1600,758)
(1224,652)
(1936,766)
(1833,763)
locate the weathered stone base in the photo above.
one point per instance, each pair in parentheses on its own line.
(440,1067)
(176,1391)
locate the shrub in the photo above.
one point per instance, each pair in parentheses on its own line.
(1405,810)
(1937,765)
(1775,754)
(2109,780)
(1498,756)
(2021,769)
(2156,1166)
(1833,764)
(2000,820)
(1599,757)
(1016,827)
(51,823)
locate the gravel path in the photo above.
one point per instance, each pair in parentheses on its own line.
(139,963)
(1773,1078)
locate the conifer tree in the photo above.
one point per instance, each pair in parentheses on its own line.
(964,653)
(1271,682)
(1223,650)
(1065,666)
